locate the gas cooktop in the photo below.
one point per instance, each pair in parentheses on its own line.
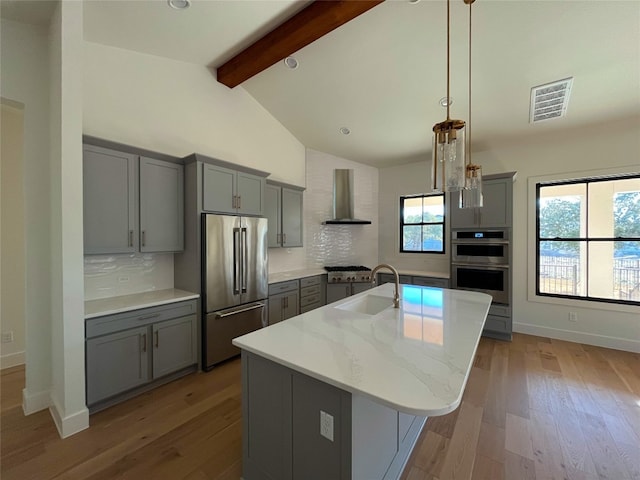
(348,273)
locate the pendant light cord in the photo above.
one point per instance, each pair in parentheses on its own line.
(448,96)
(469,121)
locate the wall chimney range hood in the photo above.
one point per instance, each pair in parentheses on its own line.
(343,199)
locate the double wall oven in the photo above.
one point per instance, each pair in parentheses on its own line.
(480,261)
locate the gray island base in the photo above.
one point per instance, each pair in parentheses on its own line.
(342,392)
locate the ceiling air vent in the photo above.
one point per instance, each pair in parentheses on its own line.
(550,100)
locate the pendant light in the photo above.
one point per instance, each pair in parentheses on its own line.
(448,166)
(471,195)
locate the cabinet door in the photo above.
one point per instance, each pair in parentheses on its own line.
(174,345)
(460,217)
(337,292)
(218,189)
(290,305)
(291,218)
(161,206)
(497,198)
(250,194)
(275,308)
(109,196)
(272,212)
(116,363)
(430,282)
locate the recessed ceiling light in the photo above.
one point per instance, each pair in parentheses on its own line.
(444,102)
(345,131)
(179,4)
(291,63)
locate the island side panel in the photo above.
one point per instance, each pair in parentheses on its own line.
(266,419)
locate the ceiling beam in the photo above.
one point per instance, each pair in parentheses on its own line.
(305,27)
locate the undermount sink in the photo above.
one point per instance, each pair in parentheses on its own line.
(368,304)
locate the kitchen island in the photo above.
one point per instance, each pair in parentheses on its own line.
(343,391)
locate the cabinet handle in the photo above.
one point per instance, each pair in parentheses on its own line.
(284,238)
(144,237)
(157,338)
(233,201)
(131,238)
(144,342)
(239,201)
(147,317)
(278,239)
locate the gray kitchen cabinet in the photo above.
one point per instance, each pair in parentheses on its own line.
(497,191)
(283,301)
(131,203)
(338,291)
(128,353)
(499,322)
(226,190)
(161,206)
(312,293)
(390,278)
(430,281)
(110,201)
(283,209)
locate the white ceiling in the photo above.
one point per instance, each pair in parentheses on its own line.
(382,75)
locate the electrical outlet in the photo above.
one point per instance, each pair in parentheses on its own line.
(573,317)
(326,425)
(7,337)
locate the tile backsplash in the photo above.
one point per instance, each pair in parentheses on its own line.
(124,274)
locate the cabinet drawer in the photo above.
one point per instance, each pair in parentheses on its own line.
(309,307)
(500,310)
(304,301)
(312,290)
(431,282)
(498,324)
(307,281)
(388,278)
(282,287)
(137,318)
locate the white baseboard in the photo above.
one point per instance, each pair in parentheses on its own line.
(34,402)
(11,360)
(579,337)
(69,424)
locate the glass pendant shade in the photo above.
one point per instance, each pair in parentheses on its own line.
(448,166)
(471,195)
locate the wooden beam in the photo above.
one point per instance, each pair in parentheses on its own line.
(305,27)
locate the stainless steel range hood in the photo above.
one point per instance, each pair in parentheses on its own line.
(343,199)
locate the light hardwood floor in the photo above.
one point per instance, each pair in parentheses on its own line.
(533,409)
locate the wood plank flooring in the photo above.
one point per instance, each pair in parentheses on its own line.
(534,408)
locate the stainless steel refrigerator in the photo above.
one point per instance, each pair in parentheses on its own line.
(235,282)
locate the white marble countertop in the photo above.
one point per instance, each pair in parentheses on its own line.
(125,303)
(415,359)
(295,274)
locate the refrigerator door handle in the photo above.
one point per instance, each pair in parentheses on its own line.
(237,261)
(245,256)
(233,311)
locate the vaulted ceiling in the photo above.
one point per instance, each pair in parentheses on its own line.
(383,74)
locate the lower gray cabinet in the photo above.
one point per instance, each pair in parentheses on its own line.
(130,352)
(414,280)
(283,301)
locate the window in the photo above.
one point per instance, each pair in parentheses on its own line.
(422,224)
(588,239)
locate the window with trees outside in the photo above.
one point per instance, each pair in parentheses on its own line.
(588,239)
(422,224)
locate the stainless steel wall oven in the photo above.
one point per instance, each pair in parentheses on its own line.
(480,261)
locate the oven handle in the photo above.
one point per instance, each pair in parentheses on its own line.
(486,266)
(479,241)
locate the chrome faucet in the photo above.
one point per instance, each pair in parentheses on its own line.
(396,297)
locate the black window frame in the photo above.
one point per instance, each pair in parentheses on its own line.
(587,239)
(442,223)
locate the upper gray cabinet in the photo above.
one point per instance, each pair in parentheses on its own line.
(161,206)
(109,196)
(284,211)
(131,203)
(230,191)
(497,192)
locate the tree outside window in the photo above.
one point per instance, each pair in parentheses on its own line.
(422,224)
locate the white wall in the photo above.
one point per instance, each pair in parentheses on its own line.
(12,258)
(572,154)
(68,407)
(395,182)
(25,79)
(179,108)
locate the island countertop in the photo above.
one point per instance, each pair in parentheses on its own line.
(415,359)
